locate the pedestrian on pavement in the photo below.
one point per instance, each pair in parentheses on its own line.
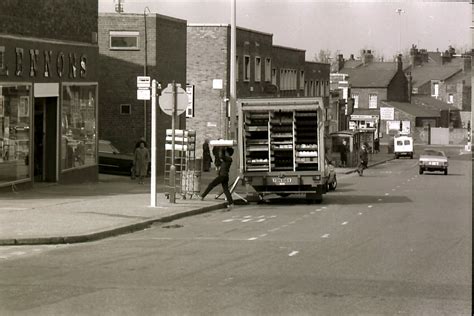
(137,145)
(206,156)
(140,162)
(363,160)
(344,152)
(223,176)
(376,145)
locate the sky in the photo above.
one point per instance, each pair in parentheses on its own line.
(340,26)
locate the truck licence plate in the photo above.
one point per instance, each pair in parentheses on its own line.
(283,181)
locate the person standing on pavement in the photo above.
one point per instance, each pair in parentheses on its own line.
(140,162)
(363,160)
(137,145)
(222,177)
(206,156)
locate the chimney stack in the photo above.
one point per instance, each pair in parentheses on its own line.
(367,56)
(399,62)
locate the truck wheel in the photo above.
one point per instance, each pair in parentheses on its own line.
(421,171)
(446,171)
(396,157)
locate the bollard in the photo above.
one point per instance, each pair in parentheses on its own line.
(172,184)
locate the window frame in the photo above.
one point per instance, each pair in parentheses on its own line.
(355,96)
(268,69)
(371,95)
(127,34)
(246,75)
(258,69)
(129,109)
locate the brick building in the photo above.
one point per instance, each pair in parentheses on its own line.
(122,118)
(371,83)
(262,70)
(48,91)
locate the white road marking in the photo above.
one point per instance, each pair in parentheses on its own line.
(274,229)
(324,207)
(369,206)
(253,238)
(246,220)
(360,213)
(228,220)
(325,236)
(344,223)
(292,222)
(273,216)
(318,210)
(262,235)
(380,200)
(291,254)
(248,216)
(387,193)
(261,220)
(261,216)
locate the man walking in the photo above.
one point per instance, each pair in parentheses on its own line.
(363,160)
(223,176)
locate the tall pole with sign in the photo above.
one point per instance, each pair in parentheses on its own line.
(173,101)
(153,145)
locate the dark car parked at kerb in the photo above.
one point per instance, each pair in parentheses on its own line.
(112,161)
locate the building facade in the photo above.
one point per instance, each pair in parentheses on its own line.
(133,45)
(48,92)
(263,70)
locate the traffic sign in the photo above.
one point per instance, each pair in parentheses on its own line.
(143,82)
(143,94)
(167,100)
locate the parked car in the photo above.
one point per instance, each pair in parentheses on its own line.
(433,160)
(331,174)
(111,160)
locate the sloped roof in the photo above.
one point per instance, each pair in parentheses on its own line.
(426,73)
(372,75)
(352,63)
(466,76)
(432,103)
(413,109)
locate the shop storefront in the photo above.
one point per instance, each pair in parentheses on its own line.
(48,111)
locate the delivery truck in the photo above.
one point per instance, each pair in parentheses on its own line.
(281,146)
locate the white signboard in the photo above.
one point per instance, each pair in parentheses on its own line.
(217,84)
(190,108)
(143,82)
(143,94)
(387,114)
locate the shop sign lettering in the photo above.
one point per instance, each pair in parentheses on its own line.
(55,64)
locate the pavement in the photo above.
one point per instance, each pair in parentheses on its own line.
(63,214)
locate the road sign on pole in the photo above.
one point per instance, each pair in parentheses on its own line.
(167,100)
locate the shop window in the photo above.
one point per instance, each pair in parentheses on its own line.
(125,109)
(15,123)
(372,100)
(78,126)
(246,68)
(274,76)
(258,69)
(122,40)
(301,79)
(268,69)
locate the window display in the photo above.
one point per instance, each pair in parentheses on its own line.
(15,122)
(78,126)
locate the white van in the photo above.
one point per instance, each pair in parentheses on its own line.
(403,146)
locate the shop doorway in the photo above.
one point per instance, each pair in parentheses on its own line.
(45,139)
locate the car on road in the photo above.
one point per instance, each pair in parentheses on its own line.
(433,160)
(111,160)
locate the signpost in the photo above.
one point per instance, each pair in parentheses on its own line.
(173,101)
(153,145)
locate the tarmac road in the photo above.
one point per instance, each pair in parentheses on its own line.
(390,242)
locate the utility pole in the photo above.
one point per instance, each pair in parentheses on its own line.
(400,11)
(145,66)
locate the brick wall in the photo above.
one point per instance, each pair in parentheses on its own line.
(207,59)
(73,20)
(166,61)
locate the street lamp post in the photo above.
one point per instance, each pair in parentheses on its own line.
(400,11)
(145,69)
